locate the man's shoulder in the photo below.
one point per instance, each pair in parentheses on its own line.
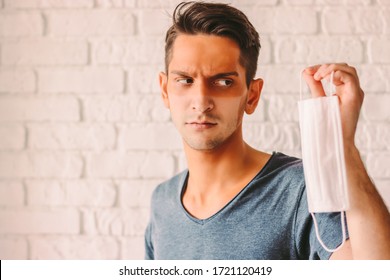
(283,173)
(170,187)
(281,163)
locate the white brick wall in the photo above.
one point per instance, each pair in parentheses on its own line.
(85,138)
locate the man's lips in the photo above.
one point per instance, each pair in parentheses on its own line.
(196,122)
(201,124)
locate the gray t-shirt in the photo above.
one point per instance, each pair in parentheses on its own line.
(268,219)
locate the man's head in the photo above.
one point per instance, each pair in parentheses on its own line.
(193,18)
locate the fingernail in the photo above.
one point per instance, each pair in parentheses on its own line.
(310,68)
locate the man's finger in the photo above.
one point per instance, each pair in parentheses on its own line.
(316,87)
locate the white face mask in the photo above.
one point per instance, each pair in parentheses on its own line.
(323,156)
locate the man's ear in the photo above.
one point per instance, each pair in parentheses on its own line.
(163,79)
(253,95)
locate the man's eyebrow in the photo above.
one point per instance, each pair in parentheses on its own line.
(223,75)
(216,76)
(180,73)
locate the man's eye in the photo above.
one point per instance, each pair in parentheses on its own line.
(224,82)
(185,81)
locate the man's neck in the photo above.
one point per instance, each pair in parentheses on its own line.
(222,167)
(217,176)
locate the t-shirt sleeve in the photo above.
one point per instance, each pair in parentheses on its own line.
(329,227)
(149,254)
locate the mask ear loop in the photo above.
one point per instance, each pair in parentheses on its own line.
(331,84)
(342,216)
(342,229)
(300,84)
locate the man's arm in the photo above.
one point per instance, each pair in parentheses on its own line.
(368,218)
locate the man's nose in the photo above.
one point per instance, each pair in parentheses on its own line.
(202,101)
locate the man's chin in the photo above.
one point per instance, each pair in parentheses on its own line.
(203,146)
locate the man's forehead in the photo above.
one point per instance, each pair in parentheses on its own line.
(213,54)
(205,40)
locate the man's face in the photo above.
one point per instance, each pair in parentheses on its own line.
(205,90)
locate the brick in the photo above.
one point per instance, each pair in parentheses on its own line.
(88,222)
(157,4)
(133,248)
(110,3)
(146,108)
(385,13)
(265,55)
(298,2)
(11,193)
(44,52)
(317,50)
(352,21)
(370,73)
(74,248)
(382,186)
(158,112)
(129,165)
(368,20)
(283,20)
(129,108)
(40,165)
(130,51)
(103,108)
(377,165)
(264,24)
(157,165)
(343,2)
(280,79)
(114,165)
(273,136)
(163,136)
(295,21)
(13,248)
(373,136)
(136,193)
(91,23)
(360,2)
(32,221)
(17,81)
(23,4)
(154,21)
(181,161)
(71,193)
(376,107)
(12,137)
(237,3)
(378,50)
(337,21)
(143,79)
(14,24)
(283,108)
(131,3)
(39,109)
(86,80)
(71,136)
(121,222)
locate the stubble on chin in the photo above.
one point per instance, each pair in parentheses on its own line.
(203,145)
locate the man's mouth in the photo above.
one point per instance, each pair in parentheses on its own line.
(201,124)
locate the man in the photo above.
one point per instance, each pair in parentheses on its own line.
(235,202)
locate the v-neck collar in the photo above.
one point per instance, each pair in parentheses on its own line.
(183,185)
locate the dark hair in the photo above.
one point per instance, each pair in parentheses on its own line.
(216,19)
